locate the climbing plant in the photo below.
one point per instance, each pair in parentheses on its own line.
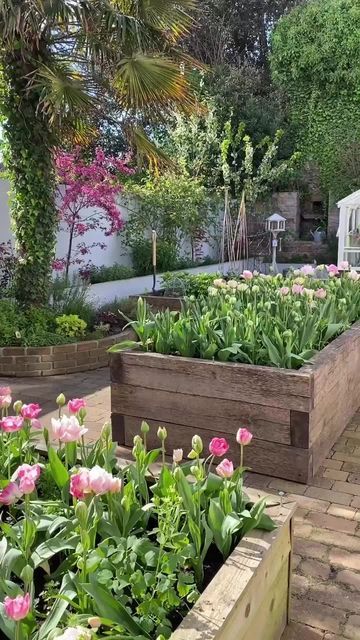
(316,61)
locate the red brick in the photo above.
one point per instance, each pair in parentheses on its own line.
(19,360)
(317,615)
(86,346)
(65,348)
(13,351)
(38,351)
(343,558)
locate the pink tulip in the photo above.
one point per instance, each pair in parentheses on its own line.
(307,270)
(30,411)
(17,608)
(343,266)
(5,401)
(284,291)
(10,494)
(244,437)
(247,275)
(332,270)
(353,275)
(36,424)
(320,293)
(225,469)
(178,455)
(218,447)
(67,429)
(27,476)
(11,424)
(76,404)
(298,289)
(79,484)
(5,391)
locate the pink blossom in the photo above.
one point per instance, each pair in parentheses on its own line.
(5,401)
(79,484)
(67,429)
(218,447)
(10,494)
(31,411)
(58,264)
(5,391)
(36,424)
(307,270)
(343,266)
(94,481)
(27,476)
(284,291)
(178,455)
(76,404)
(225,469)
(332,270)
(244,437)
(247,275)
(320,293)
(353,275)
(17,608)
(11,424)
(297,289)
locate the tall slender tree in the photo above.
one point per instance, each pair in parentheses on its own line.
(60,59)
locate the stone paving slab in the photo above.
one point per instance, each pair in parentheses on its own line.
(326,589)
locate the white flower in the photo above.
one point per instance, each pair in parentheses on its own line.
(178,455)
(242,287)
(232,284)
(212,291)
(75,633)
(353,275)
(219,282)
(297,272)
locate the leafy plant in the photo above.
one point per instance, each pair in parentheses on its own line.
(107,274)
(70,326)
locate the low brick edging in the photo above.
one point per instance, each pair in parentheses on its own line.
(22,362)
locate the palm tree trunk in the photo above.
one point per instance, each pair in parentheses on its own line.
(28,158)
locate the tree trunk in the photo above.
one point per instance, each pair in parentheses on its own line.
(28,158)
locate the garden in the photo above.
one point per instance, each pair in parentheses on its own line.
(175,213)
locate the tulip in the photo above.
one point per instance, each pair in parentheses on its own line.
(17,406)
(17,608)
(343,266)
(320,293)
(284,291)
(76,404)
(79,484)
(5,391)
(67,429)
(5,401)
(332,270)
(76,633)
(162,433)
(60,400)
(243,437)
(247,275)
(178,455)
(197,444)
(36,424)
(225,469)
(94,622)
(31,411)
(218,447)
(298,289)
(10,424)
(10,494)
(95,481)
(27,476)
(307,270)
(353,275)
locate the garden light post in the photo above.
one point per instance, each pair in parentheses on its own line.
(275,223)
(153,241)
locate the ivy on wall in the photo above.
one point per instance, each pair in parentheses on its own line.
(316,61)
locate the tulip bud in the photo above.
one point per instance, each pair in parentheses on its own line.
(27,574)
(177,455)
(82,414)
(17,406)
(106,432)
(162,433)
(145,427)
(61,400)
(196,472)
(197,444)
(81,512)
(94,622)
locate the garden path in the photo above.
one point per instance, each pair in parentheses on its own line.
(326,581)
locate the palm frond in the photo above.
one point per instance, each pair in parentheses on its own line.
(147,150)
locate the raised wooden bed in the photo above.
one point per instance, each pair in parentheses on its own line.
(159,303)
(248,599)
(295,416)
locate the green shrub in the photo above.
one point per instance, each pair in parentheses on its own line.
(34,327)
(70,326)
(107,274)
(71,299)
(141,252)
(188,284)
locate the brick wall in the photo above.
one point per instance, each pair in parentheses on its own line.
(52,361)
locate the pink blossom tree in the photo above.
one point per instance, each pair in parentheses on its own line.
(88,193)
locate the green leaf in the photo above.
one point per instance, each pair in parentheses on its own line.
(121,346)
(266,523)
(59,607)
(48,549)
(274,354)
(58,470)
(107,606)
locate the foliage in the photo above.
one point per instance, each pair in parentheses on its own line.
(118,544)
(188,284)
(88,192)
(60,62)
(7,267)
(175,206)
(70,326)
(116,314)
(316,61)
(266,320)
(141,254)
(31,327)
(107,274)
(71,299)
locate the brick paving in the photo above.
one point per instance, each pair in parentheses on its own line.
(326,563)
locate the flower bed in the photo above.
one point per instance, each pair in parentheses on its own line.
(90,547)
(57,359)
(296,416)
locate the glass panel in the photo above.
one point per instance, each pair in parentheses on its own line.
(352,238)
(353,258)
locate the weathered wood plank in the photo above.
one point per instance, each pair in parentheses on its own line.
(223,416)
(250,383)
(299,429)
(258,572)
(269,458)
(159,303)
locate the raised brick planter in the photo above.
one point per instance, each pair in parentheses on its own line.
(51,361)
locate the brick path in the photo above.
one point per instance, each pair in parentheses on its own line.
(326,581)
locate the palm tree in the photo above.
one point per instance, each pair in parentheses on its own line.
(61,60)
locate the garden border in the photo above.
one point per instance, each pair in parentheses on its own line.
(55,360)
(257,604)
(295,416)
